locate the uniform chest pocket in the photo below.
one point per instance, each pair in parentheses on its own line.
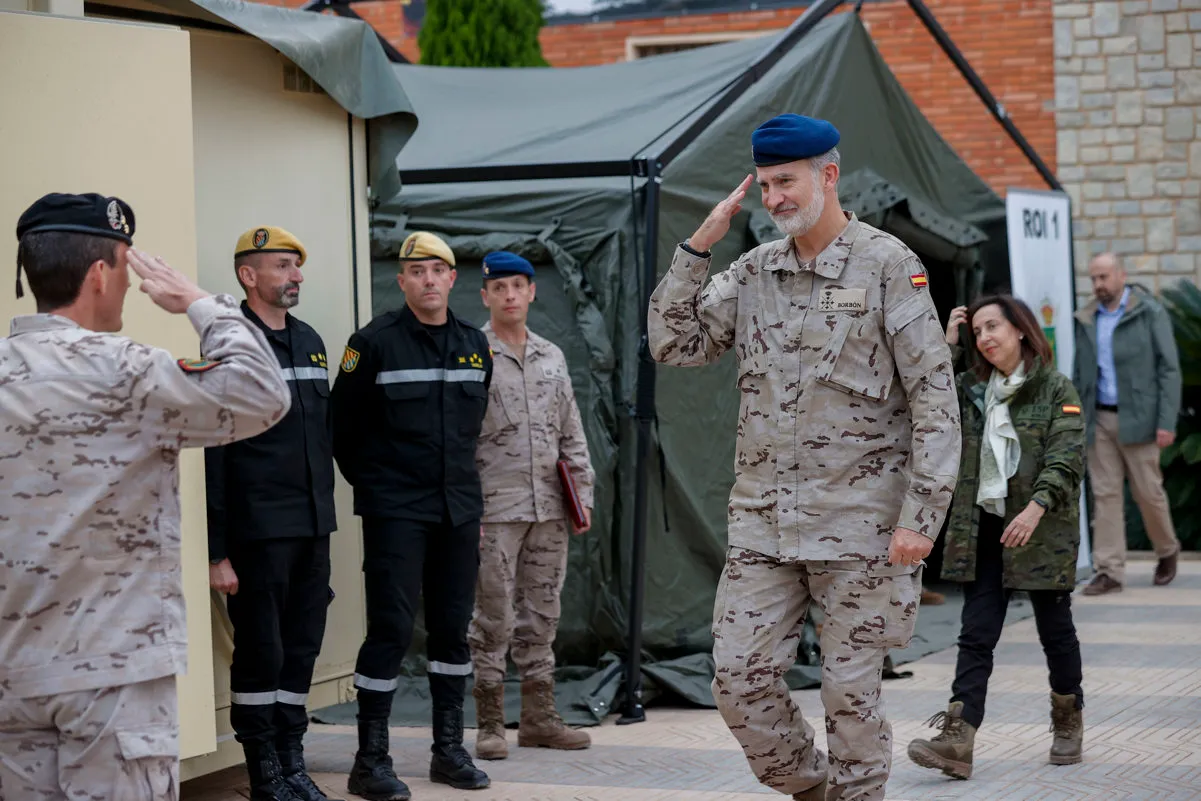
(406,405)
(856,359)
(473,396)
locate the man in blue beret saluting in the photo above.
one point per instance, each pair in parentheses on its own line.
(847,452)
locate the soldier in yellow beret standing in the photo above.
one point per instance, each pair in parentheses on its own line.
(270,514)
(409,403)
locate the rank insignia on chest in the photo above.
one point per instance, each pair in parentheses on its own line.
(1070,409)
(350,360)
(197,365)
(462,360)
(918,281)
(317,359)
(476,361)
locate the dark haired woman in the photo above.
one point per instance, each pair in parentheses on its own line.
(1014,523)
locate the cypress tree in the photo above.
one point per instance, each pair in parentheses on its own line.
(482,33)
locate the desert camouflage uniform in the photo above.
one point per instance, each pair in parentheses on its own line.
(848,428)
(91,593)
(532,422)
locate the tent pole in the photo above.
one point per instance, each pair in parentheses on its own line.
(998,111)
(644,413)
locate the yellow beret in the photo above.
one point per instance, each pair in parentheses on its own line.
(269,239)
(424,245)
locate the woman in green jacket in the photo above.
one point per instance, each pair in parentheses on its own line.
(1014,523)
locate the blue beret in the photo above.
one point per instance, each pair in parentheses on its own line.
(500,263)
(791,137)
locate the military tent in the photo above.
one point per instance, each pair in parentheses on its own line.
(562,166)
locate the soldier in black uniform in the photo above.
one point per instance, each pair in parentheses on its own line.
(409,402)
(270,514)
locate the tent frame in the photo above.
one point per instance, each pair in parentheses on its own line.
(650,168)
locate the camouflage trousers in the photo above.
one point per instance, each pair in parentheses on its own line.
(522,567)
(758,617)
(118,742)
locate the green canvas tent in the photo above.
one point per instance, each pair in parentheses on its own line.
(560,166)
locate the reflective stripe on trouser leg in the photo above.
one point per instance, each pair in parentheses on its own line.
(302,629)
(541,568)
(451,568)
(494,615)
(758,618)
(393,561)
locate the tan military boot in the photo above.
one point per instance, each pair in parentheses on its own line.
(490,721)
(541,725)
(951,749)
(1067,723)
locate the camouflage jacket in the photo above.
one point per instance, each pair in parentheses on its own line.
(848,424)
(1050,428)
(532,422)
(91,426)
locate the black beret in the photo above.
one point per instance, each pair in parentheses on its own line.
(82,214)
(109,217)
(791,137)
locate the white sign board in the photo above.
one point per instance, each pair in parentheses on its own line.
(1040,273)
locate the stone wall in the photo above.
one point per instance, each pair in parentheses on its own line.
(1128,115)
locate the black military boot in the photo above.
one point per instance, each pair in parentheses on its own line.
(372,776)
(450,763)
(291,760)
(266,777)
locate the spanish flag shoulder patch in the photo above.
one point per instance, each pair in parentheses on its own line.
(197,365)
(1070,409)
(919,280)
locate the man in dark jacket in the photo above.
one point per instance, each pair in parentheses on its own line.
(270,514)
(409,402)
(1128,374)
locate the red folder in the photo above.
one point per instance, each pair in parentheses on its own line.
(575,509)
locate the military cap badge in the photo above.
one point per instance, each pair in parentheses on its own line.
(261,237)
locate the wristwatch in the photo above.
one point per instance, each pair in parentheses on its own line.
(700,255)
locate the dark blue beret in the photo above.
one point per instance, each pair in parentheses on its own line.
(791,137)
(500,263)
(93,214)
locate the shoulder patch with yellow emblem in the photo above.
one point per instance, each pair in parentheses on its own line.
(350,360)
(197,365)
(1070,409)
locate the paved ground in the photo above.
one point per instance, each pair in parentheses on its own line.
(1142,679)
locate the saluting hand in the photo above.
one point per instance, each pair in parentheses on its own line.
(908,547)
(222,577)
(170,289)
(717,224)
(958,317)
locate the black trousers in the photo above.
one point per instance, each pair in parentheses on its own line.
(403,559)
(984,603)
(278,616)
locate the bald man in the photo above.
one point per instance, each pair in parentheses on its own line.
(1128,375)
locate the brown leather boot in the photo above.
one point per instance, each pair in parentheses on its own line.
(1165,571)
(541,726)
(951,749)
(1067,723)
(1102,584)
(490,721)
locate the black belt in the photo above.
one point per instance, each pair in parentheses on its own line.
(1107,407)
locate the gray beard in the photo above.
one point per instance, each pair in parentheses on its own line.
(801,222)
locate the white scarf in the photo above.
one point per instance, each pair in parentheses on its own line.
(1000,451)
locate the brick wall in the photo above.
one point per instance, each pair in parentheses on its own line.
(1008,42)
(1128,92)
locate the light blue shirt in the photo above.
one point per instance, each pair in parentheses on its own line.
(1107,377)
